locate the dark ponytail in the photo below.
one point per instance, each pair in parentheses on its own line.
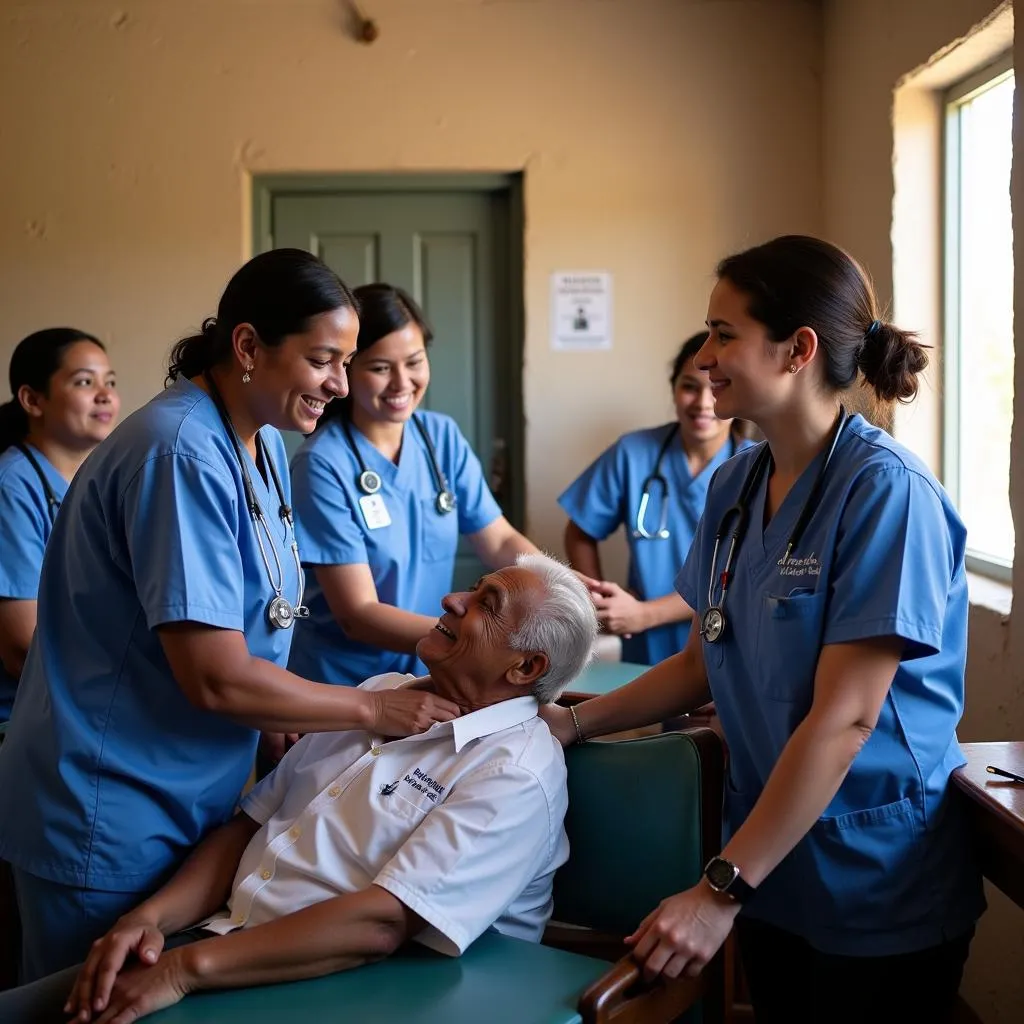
(34,362)
(796,281)
(383,309)
(278,293)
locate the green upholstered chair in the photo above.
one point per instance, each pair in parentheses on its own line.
(644,814)
(644,817)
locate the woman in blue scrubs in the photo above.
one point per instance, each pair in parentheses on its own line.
(164,604)
(653,482)
(833,640)
(65,402)
(382,493)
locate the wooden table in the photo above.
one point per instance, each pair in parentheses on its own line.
(996,808)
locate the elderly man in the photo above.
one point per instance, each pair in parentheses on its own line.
(356,843)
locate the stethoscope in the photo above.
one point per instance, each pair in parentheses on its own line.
(281,613)
(52,501)
(370,482)
(656,479)
(712,622)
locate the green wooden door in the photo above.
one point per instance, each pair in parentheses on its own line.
(450,251)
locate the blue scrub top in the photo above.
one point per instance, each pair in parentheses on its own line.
(607,495)
(412,559)
(25,525)
(109,775)
(887,868)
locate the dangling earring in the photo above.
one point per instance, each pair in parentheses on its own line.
(246,377)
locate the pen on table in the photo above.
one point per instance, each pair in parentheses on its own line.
(992,770)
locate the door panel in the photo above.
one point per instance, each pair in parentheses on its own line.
(439,246)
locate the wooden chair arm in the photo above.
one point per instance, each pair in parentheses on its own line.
(621,995)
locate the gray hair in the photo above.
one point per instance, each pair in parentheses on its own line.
(563,625)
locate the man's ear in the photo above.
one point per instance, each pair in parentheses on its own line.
(528,669)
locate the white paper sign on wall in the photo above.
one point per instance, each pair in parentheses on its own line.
(581,310)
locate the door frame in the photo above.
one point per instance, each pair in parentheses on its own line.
(507,188)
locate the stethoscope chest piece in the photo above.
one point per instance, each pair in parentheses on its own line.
(280,613)
(712,624)
(369,481)
(445,502)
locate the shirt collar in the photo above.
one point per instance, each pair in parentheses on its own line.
(494,718)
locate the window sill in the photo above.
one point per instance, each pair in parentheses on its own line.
(993,595)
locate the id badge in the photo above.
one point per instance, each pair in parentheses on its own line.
(375,512)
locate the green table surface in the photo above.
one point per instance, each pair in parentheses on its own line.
(498,980)
(604,676)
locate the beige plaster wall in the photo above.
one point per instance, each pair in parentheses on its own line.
(869,46)
(655,135)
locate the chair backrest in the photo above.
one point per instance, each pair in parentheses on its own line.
(644,816)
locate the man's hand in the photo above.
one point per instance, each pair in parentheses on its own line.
(406,712)
(140,991)
(618,611)
(134,934)
(684,933)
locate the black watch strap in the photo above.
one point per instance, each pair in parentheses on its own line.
(724,877)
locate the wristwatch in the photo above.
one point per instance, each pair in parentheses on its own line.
(723,876)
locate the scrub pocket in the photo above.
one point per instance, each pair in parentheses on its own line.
(864,863)
(439,534)
(788,645)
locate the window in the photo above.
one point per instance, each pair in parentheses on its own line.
(978,327)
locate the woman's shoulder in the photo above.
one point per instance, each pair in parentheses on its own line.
(181,421)
(327,444)
(439,425)
(14,466)
(876,451)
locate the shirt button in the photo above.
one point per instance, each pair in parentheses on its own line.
(238,919)
(265,875)
(333,791)
(375,751)
(295,833)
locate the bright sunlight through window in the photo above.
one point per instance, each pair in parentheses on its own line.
(979,314)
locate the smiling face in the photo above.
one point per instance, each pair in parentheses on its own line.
(81,402)
(291,383)
(388,379)
(746,368)
(468,652)
(695,408)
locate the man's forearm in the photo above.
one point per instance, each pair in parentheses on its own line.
(202,884)
(330,936)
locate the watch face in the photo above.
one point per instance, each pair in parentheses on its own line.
(720,873)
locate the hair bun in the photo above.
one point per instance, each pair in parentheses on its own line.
(890,360)
(209,326)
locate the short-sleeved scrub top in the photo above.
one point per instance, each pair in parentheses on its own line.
(888,868)
(408,545)
(109,775)
(607,495)
(26,520)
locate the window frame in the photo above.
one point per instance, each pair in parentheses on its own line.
(953,99)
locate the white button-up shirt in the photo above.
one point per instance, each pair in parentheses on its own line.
(462,823)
